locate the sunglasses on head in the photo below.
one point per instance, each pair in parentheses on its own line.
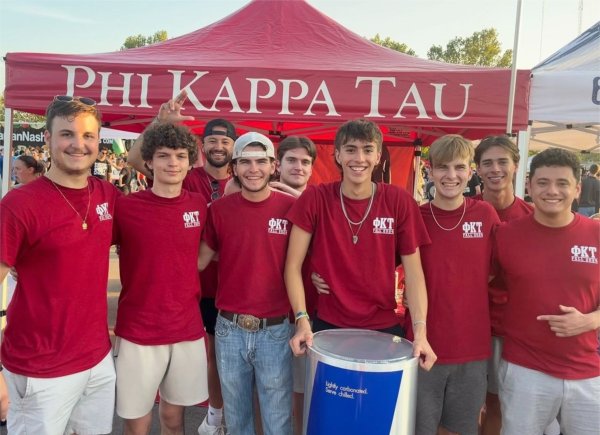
(83,100)
(214,185)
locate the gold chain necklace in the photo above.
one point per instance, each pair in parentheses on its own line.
(362,221)
(459,221)
(84,224)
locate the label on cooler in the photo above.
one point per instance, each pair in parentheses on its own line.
(349,402)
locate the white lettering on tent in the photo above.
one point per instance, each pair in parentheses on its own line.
(229,96)
(254,93)
(177,88)
(417,102)
(106,88)
(326,100)
(71,73)
(438,101)
(375,83)
(144,90)
(285,97)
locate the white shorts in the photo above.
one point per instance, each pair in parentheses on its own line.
(531,400)
(81,403)
(177,371)
(493,365)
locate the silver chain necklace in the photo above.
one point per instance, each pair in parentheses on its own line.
(84,224)
(459,221)
(362,221)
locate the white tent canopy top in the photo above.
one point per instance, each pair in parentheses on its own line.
(565,96)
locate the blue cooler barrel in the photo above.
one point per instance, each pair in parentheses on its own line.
(360,382)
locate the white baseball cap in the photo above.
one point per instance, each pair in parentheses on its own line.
(252,138)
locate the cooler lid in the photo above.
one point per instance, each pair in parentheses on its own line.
(359,345)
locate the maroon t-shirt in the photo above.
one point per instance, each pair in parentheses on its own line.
(361,276)
(251,239)
(57,322)
(457,267)
(159,239)
(543,268)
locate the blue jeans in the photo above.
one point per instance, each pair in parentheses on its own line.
(244,358)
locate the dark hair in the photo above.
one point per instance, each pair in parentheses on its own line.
(293,142)
(594,169)
(169,136)
(556,157)
(70,109)
(228,126)
(360,129)
(30,162)
(497,141)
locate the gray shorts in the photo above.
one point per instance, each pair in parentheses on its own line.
(531,399)
(451,395)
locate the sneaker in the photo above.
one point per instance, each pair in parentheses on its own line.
(207,429)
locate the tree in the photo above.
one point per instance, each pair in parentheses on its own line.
(394,45)
(482,49)
(140,40)
(20,116)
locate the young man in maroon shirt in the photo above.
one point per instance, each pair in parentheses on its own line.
(331,217)
(160,335)
(209,180)
(56,232)
(550,363)
(249,231)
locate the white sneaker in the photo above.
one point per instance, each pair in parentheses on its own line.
(207,429)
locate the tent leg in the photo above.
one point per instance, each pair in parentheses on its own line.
(7,145)
(523,143)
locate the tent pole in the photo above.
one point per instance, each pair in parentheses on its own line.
(417,168)
(7,145)
(523,143)
(513,72)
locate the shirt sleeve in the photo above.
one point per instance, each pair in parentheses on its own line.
(13,236)
(302,213)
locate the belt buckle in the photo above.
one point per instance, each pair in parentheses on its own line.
(248,322)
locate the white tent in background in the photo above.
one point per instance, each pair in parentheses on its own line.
(110,133)
(564,104)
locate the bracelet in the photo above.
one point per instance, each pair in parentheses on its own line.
(421,322)
(301,315)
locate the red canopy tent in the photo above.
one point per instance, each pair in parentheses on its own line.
(280,67)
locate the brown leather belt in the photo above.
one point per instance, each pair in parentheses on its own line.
(251,323)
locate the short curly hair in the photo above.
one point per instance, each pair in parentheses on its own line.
(169,136)
(556,157)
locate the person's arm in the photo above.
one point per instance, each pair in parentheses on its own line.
(572,322)
(205,255)
(297,249)
(417,302)
(169,112)
(4,270)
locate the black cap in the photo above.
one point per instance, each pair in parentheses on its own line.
(210,125)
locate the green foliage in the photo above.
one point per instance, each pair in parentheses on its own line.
(140,40)
(20,116)
(481,49)
(394,45)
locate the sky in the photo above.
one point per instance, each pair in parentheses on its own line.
(95,26)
